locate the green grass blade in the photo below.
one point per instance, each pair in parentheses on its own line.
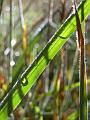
(73,116)
(38,66)
(74,85)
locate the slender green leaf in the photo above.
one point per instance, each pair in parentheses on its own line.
(33,72)
(73,116)
(75,85)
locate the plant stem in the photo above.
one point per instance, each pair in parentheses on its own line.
(83,94)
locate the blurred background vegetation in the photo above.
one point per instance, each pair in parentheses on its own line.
(20,42)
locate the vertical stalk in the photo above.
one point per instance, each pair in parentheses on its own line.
(85,74)
(63,69)
(10,107)
(25,32)
(82,71)
(10,56)
(1,4)
(81,77)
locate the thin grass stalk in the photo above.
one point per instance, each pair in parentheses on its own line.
(83,102)
(63,70)
(10,107)
(81,77)
(62,12)
(25,32)
(85,72)
(1,4)
(10,56)
(85,95)
(51,66)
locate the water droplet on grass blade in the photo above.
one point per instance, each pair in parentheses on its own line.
(24,82)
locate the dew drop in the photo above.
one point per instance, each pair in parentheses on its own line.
(24,82)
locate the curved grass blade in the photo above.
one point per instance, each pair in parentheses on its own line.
(33,72)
